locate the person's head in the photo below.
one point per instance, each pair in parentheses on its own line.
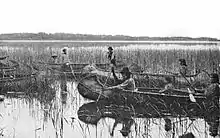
(110,48)
(125,72)
(214,78)
(168,79)
(64,50)
(182,62)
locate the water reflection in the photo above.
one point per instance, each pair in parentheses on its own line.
(24,116)
(64,116)
(142,122)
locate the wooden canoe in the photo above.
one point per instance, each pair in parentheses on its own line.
(150,79)
(92,88)
(75,66)
(18,82)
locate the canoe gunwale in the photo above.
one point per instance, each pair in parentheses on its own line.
(153,92)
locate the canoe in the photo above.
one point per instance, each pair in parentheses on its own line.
(91,113)
(91,88)
(79,68)
(18,82)
(75,66)
(9,69)
(151,79)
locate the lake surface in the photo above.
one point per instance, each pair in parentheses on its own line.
(28,117)
(22,117)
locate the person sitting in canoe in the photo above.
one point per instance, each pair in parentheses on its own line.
(169,85)
(111,56)
(212,91)
(65,59)
(183,67)
(127,82)
(212,104)
(3,62)
(65,56)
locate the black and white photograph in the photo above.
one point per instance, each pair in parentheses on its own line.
(109,69)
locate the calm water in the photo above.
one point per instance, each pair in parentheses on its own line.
(29,118)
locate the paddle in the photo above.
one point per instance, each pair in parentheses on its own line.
(191,97)
(100,93)
(72,71)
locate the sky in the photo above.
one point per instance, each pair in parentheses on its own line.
(192,18)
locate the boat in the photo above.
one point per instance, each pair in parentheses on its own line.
(17,82)
(91,113)
(16,76)
(145,79)
(75,66)
(91,88)
(75,70)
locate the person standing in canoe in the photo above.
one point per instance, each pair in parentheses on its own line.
(65,60)
(64,68)
(183,67)
(111,56)
(127,82)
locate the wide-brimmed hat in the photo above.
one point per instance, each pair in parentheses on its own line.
(182,61)
(214,78)
(110,48)
(125,70)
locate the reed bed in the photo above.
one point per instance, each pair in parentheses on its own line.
(154,58)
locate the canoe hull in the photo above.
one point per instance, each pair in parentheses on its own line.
(17,83)
(178,101)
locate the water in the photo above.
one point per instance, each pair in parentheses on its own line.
(23,117)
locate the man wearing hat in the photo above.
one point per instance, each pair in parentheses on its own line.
(212,104)
(183,67)
(127,82)
(111,56)
(64,56)
(65,67)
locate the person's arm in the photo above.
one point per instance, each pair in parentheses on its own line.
(120,86)
(114,75)
(167,87)
(2,58)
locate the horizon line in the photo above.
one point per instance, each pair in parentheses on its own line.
(117,41)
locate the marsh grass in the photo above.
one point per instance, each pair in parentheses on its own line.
(153,58)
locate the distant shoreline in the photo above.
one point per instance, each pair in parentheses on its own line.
(68,37)
(111,41)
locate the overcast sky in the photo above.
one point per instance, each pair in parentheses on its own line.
(193,18)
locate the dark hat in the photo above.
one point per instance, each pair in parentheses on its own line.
(125,132)
(64,50)
(182,62)
(110,48)
(214,78)
(125,70)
